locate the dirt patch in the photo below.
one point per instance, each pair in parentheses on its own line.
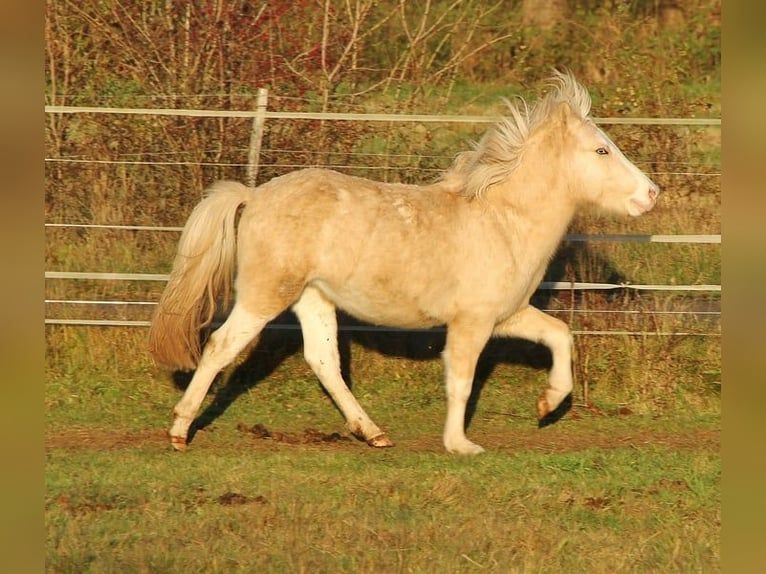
(554,439)
(570,440)
(89,438)
(81,506)
(237,499)
(309,436)
(707,439)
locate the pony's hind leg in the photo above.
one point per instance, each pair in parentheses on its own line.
(532,324)
(224,344)
(319,326)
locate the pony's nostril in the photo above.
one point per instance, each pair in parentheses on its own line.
(653,192)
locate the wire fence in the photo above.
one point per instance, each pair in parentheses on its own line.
(709,313)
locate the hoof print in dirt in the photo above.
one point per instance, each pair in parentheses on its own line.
(309,436)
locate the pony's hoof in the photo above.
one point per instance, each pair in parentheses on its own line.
(380,441)
(464,447)
(178,443)
(543,408)
(547,415)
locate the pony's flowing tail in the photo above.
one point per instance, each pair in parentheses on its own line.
(201,279)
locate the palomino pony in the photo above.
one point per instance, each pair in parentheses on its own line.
(466,252)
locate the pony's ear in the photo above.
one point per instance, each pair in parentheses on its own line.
(563,113)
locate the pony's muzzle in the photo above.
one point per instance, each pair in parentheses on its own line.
(643,202)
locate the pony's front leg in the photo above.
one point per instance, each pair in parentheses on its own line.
(238,330)
(465,342)
(534,325)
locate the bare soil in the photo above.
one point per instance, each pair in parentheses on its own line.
(258,437)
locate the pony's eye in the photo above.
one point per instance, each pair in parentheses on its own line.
(602,151)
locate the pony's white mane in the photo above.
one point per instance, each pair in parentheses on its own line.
(500,150)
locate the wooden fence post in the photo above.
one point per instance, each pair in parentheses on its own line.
(256,137)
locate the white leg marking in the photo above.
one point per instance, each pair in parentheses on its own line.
(320,348)
(221,349)
(464,345)
(455,441)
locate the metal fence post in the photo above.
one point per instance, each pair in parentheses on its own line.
(256,137)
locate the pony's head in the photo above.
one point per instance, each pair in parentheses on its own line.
(556,136)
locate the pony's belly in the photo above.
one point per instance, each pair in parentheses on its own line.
(380,309)
(398,318)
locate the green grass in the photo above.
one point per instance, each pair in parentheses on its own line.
(232,508)
(628,483)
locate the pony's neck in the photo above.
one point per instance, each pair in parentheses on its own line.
(538,206)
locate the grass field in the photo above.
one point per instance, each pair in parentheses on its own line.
(272,481)
(644,503)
